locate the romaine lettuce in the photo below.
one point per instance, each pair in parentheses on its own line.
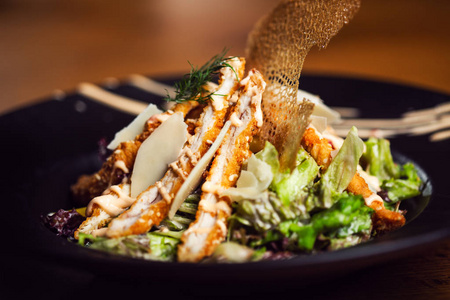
(152,246)
(286,196)
(400,182)
(341,170)
(378,159)
(406,186)
(291,187)
(348,216)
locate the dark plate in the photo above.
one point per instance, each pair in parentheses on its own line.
(48,145)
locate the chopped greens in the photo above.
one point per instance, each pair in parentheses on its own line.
(378,159)
(308,211)
(153,245)
(277,213)
(407,185)
(400,182)
(292,187)
(348,216)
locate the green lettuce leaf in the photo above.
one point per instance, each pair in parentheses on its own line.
(152,246)
(378,159)
(266,212)
(341,170)
(292,187)
(348,216)
(400,182)
(286,196)
(269,155)
(406,186)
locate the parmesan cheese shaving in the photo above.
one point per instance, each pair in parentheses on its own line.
(157,152)
(134,128)
(252,182)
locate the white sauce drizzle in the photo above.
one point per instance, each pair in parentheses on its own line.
(223,206)
(209,187)
(163,192)
(178,170)
(235,120)
(372,198)
(99,232)
(222,226)
(233,177)
(208,206)
(191,156)
(120,164)
(113,203)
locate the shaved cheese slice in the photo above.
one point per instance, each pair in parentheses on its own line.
(320,109)
(194,178)
(252,182)
(319,123)
(157,152)
(134,128)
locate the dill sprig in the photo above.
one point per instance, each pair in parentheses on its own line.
(192,85)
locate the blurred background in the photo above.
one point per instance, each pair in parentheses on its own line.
(48,45)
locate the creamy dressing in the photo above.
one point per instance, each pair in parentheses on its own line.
(99,232)
(178,170)
(233,177)
(374,197)
(193,157)
(335,140)
(114,202)
(120,164)
(222,225)
(235,121)
(209,187)
(372,181)
(208,206)
(223,206)
(163,192)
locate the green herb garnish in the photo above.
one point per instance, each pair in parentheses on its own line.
(192,85)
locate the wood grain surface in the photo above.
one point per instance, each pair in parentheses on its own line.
(50,45)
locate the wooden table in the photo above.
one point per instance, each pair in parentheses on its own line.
(53,45)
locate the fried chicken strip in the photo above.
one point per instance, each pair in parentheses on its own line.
(153,205)
(319,148)
(121,161)
(102,209)
(116,199)
(209,228)
(383,219)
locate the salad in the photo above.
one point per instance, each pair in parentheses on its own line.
(197,183)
